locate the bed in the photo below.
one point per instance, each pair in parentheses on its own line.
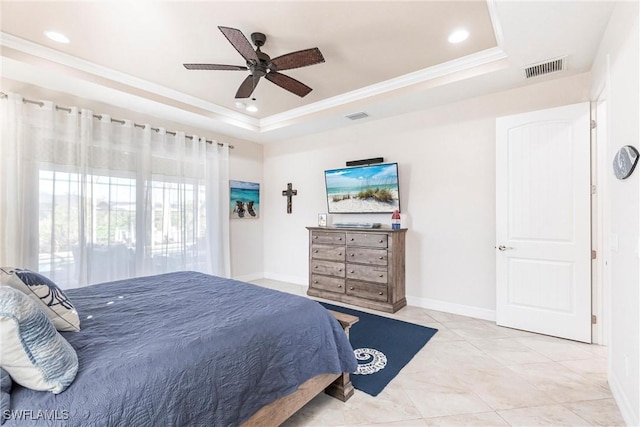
(189,349)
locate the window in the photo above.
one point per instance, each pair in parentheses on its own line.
(178,225)
(107,207)
(93,199)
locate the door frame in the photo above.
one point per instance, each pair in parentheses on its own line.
(601,223)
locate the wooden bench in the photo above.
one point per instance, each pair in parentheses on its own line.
(338,386)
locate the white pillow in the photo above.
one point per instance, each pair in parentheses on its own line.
(34,354)
(47,294)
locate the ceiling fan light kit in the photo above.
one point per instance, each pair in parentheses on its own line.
(252,108)
(259,64)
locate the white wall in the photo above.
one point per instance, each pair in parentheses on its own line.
(617,68)
(246,235)
(446,159)
(245,164)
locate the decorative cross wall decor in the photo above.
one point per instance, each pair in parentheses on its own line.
(289,192)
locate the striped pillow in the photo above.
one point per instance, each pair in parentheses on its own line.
(34,354)
(46,293)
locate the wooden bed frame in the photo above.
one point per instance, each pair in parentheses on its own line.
(338,386)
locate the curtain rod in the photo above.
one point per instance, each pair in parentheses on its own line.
(99,117)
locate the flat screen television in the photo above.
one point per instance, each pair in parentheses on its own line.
(363,189)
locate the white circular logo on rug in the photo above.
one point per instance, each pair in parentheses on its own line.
(376,360)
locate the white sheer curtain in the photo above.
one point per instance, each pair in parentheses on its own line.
(86,200)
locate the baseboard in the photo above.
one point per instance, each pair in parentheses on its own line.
(631,417)
(303,281)
(431,304)
(448,307)
(249,277)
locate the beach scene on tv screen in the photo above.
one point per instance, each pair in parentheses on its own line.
(363,189)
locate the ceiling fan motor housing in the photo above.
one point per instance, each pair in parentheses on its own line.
(262,67)
(259,69)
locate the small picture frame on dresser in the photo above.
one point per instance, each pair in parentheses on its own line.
(322,220)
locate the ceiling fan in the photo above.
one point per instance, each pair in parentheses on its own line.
(261,65)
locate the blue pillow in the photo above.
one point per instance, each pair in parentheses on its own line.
(33,352)
(47,294)
(5,394)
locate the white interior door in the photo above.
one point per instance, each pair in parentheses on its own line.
(543,222)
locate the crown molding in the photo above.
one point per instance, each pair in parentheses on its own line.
(34,49)
(446,68)
(430,73)
(495,22)
(274,121)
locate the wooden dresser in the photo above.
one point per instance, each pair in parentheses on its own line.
(363,267)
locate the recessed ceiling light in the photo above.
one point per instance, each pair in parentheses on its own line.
(458,36)
(241,105)
(252,108)
(57,37)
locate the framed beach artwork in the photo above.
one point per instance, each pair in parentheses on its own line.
(244,200)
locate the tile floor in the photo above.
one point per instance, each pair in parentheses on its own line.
(474,373)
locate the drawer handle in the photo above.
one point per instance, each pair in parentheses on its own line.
(315,266)
(352,239)
(315,252)
(353,254)
(380,241)
(352,272)
(315,282)
(339,269)
(382,275)
(380,293)
(339,286)
(351,288)
(340,238)
(340,254)
(380,257)
(315,237)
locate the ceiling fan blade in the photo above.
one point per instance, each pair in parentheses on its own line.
(214,67)
(301,58)
(247,87)
(240,42)
(286,82)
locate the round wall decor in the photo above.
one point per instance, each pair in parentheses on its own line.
(625,161)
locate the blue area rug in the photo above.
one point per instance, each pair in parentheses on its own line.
(383,347)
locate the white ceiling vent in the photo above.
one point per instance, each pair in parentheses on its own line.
(547,67)
(357,116)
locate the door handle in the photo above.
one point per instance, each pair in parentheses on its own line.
(503,248)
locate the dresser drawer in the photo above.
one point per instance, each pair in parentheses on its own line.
(327,267)
(330,237)
(333,284)
(367,273)
(328,252)
(367,256)
(369,239)
(372,291)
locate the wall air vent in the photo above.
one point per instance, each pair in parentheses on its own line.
(357,116)
(546,67)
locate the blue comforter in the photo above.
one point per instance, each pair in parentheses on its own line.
(187,349)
